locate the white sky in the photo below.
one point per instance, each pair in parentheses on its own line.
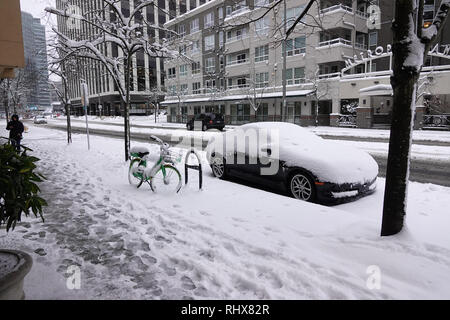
(36,7)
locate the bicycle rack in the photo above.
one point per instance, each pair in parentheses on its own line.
(198,167)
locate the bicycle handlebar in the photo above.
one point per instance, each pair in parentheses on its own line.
(154,138)
(162,143)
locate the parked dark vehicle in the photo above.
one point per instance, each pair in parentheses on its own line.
(293,160)
(209,121)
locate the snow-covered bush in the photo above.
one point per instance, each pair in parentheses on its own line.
(18,188)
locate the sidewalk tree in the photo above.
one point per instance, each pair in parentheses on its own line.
(411,44)
(109,25)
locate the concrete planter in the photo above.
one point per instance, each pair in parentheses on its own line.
(14,266)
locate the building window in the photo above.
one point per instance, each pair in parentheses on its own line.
(182,49)
(184,89)
(292,14)
(195,67)
(209,20)
(172,90)
(196,88)
(220,13)
(295,76)
(183,70)
(171,73)
(210,65)
(261,3)
(242,82)
(373,39)
(209,42)
(262,53)
(195,46)
(261,80)
(295,46)
(210,83)
(221,40)
(181,30)
(262,26)
(195,26)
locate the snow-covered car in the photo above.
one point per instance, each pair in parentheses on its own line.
(292,159)
(39,120)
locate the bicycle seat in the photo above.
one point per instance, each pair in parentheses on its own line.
(139,152)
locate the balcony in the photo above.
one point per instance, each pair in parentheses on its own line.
(343,16)
(237,43)
(336,50)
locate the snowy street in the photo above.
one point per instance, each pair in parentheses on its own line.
(228,241)
(430,150)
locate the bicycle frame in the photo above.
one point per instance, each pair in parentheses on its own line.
(149,173)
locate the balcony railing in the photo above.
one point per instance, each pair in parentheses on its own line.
(235,62)
(346,120)
(339,7)
(337,41)
(239,86)
(329,75)
(437,121)
(237,38)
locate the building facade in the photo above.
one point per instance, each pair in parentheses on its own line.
(234,61)
(35,48)
(147,71)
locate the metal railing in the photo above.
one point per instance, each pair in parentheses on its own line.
(339,7)
(334,42)
(235,62)
(236,38)
(437,121)
(238,86)
(346,120)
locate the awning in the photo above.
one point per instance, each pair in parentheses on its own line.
(278,94)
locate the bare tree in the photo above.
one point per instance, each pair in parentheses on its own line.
(411,44)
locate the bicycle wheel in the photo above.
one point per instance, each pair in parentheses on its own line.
(136,173)
(166,180)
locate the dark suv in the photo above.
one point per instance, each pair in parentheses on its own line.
(209,120)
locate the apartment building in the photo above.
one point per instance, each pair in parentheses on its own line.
(234,61)
(147,71)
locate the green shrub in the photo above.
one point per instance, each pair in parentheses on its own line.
(18,188)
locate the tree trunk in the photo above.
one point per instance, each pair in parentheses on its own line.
(403,83)
(126,111)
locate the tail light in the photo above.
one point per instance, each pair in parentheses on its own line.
(210,121)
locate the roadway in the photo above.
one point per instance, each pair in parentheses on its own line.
(422,170)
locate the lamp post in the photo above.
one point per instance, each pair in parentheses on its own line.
(284,107)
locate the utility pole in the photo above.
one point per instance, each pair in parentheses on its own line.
(284,107)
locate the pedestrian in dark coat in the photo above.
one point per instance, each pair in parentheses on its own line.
(16,129)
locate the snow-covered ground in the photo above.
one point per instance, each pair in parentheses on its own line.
(228,241)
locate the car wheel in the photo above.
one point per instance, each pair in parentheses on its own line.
(218,168)
(189,127)
(302,187)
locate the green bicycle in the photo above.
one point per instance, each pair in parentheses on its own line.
(163,176)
